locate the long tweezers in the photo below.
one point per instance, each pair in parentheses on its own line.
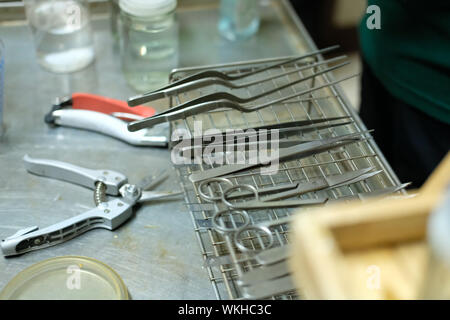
(140,99)
(299,151)
(201,83)
(222,103)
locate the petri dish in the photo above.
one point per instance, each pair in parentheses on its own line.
(66,278)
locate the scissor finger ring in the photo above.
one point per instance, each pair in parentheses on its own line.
(204,183)
(239,241)
(228,191)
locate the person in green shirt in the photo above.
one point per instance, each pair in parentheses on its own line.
(405,88)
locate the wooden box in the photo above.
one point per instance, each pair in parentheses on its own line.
(371,250)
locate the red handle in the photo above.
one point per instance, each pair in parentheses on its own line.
(87,101)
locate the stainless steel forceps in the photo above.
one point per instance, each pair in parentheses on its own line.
(214,75)
(108,214)
(298,151)
(197,84)
(220,100)
(260,133)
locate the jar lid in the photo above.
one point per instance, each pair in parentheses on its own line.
(147,8)
(66,278)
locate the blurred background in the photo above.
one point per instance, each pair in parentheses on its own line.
(332,22)
(329,22)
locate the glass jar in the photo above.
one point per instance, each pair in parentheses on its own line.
(148,42)
(239,19)
(62,33)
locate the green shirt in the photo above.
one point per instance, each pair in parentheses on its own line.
(410,54)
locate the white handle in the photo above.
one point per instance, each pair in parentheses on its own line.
(108,125)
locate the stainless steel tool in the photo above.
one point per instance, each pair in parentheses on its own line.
(220,100)
(264,227)
(222,257)
(282,191)
(212,76)
(240,141)
(297,151)
(283,128)
(273,266)
(108,214)
(263,274)
(266,289)
(219,95)
(197,84)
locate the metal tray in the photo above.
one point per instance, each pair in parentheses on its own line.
(223,261)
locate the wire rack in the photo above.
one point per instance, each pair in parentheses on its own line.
(223,261)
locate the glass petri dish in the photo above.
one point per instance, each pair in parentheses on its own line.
(66,278)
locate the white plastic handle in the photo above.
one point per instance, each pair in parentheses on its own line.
(108,125)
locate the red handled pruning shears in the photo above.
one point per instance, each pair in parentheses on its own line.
(108,116)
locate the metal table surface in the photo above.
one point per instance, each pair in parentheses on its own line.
(155,252)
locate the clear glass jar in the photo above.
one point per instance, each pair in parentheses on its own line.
(148,42)
(239,19)
(62,33)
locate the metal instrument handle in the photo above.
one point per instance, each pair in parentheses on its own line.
(273,255)
(157,195)
(269,288)
(263,204)
(220,225)
(301,150)
(74,174)
(263,274)
(241,245)
(108,215)
(205,183)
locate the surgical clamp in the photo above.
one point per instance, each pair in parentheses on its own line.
(108,214)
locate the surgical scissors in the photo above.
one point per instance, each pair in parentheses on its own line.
(277,193)
(211,74)
(289,190)
(265,227)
